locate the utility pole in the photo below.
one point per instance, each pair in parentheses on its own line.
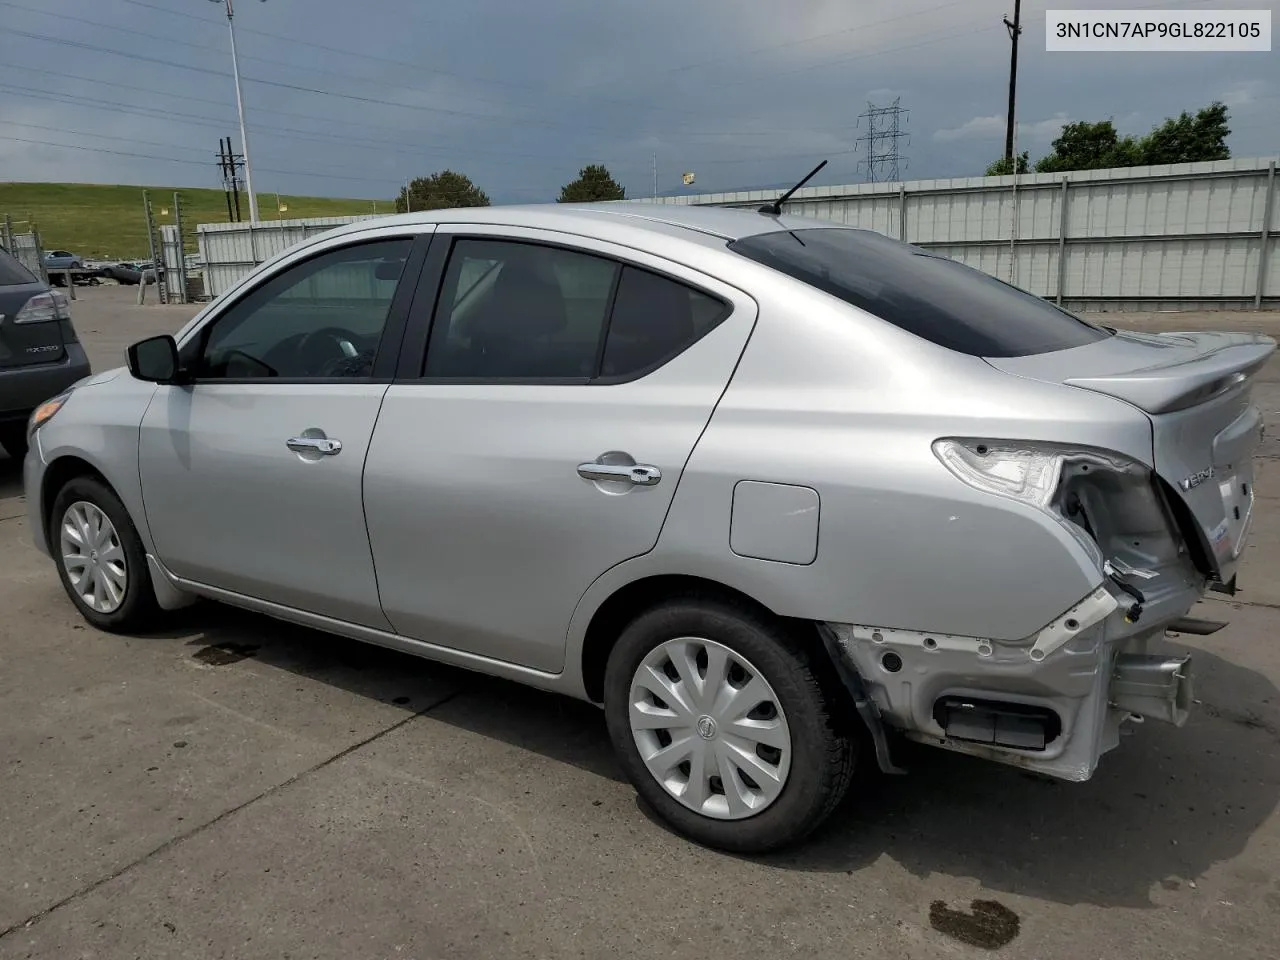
(1015,29)
(655,174)
(244,133)
(229,165)
(226,168)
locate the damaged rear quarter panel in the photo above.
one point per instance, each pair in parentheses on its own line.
(902,541)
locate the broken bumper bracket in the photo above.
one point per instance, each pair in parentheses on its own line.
(1152,686)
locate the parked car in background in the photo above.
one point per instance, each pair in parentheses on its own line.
(763,487)
(126,273)
(40,354)
(62,260)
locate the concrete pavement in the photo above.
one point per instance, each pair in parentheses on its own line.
(236,787)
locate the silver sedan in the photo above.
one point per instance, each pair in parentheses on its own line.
(767,489)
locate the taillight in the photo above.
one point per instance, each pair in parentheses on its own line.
(1050,476)
(43,307)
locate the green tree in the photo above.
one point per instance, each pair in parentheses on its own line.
(1086,145)
(594,183)
(1090,146)
(1004,166)
(1186,139)
(446,188)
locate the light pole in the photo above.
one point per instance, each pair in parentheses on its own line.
(244,133)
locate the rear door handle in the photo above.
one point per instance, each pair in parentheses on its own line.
(324,445)
(639,474)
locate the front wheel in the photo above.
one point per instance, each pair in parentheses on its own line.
(721,721)
(100,557)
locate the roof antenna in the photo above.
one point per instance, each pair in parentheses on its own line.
(775,209)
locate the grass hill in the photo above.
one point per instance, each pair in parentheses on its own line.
(100,221)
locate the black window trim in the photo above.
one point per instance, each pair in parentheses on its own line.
(417,342)
(393,330)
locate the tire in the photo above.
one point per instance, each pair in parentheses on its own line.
(136,608)
(13,438)
(811,773)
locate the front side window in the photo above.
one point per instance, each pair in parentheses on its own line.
(319,319)
(525,311)
(933,297)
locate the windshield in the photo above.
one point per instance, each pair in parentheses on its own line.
(12,272)
(931,296)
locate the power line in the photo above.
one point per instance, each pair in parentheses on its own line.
(523,105)
(135,33)
(205,163)
(63,17)
(348,96)
(328,120)
(419,67)
(465,114)
(118,153)
(98,136)
(176,13)
(410,150)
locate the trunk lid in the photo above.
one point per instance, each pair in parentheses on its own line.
(24,344)
(1195,389)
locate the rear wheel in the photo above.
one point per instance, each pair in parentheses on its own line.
(721,722)
(100,557)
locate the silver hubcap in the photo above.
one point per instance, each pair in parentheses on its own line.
(93,557)
(710,728)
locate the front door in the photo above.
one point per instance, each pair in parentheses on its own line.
(564,388)
(251,475)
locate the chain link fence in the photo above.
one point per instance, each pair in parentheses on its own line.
(21,238)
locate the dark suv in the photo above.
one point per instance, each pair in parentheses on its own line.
(40,355)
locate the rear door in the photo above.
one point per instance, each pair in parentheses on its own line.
(30,331)
(543,437)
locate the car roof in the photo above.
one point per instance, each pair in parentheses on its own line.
(719,222)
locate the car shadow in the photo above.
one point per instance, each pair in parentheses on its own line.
(558,727)
(1162,809)
(10,476)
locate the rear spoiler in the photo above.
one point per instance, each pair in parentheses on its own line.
(1168,387)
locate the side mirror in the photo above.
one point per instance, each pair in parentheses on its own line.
(154,359)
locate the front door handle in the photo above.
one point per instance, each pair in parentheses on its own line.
(323,445)
(639,474)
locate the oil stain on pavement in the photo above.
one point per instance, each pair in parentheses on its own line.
(990,925)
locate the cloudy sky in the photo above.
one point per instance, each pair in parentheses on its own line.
(351,97)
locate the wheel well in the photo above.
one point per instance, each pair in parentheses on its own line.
(629,602)
(57,475)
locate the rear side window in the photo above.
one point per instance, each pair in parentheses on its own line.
(515,310)
(519,311)
(933,297)
(654,319)
(12,272)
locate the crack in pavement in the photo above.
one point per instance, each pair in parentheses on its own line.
(200,828)
(1247,603)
